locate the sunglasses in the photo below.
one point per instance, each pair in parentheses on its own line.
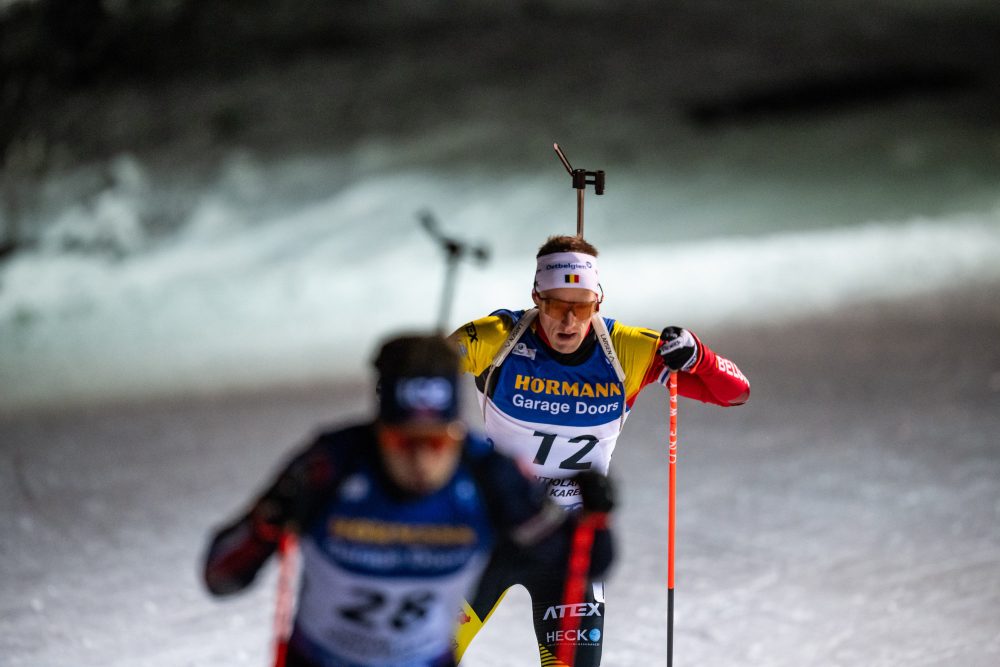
(400,441)
(557,308)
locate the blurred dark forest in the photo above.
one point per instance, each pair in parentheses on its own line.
(52,48)
(715,63)
(52,52)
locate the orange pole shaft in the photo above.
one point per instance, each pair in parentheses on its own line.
(672,488)
(576,583)
(672,516)
(287,555)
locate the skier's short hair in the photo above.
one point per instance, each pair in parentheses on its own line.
(561,243)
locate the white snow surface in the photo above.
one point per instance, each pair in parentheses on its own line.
(238,298)
(845,516)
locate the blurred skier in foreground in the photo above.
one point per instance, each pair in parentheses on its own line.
(556,383)
(397,518)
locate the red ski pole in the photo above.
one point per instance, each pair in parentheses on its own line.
(672,516)
(287,557)
(576,582)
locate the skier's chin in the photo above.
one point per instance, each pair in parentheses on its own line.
(566,342)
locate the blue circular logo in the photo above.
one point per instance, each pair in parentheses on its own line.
(594,635)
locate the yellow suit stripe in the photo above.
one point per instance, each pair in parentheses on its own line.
(479,340)
(468,629)
(636,350)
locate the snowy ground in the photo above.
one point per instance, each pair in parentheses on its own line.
(192,302)
(847,515)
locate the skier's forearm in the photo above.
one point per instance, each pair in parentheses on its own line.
(235,555)
(714,379)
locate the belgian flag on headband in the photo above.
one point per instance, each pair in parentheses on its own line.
(572,277)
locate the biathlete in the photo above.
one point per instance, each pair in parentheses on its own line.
(556,383)
(397,518)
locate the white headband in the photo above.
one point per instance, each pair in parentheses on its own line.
(567,269)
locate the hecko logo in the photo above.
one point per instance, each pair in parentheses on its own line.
(575,636)
(424,393)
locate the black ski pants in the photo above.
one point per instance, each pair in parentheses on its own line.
(546,587)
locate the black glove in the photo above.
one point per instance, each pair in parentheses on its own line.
(278,510)
(596,491)
(679,349)
(292,500)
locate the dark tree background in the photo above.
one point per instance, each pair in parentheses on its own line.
(59,57)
